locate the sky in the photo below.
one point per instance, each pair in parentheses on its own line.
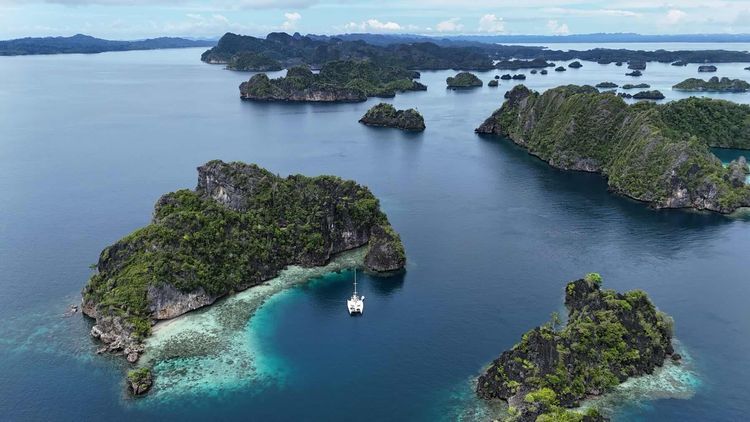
(135,19)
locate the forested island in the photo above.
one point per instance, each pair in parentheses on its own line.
(649,95)
(238,228)
(85,44)
(523,64)
(280,50)
(656,153)
(386,115)
(713,85)
(608,338)
(463,80)
(339,81)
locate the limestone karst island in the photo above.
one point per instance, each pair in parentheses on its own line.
(318,210)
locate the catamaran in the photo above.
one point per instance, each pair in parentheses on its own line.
(355,304)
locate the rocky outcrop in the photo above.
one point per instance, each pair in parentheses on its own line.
(608,338)
(463,80)
(240,227)
(118,336)
(658,154)
(386,252)
(140,381)
(634,73)
(386,115)
(575,65)
(493,83)
(606,85)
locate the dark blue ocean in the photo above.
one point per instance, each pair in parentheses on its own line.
(88,143)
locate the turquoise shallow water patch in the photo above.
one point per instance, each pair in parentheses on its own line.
(220,348)
(671,381)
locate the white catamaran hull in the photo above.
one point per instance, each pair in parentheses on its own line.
(355,306)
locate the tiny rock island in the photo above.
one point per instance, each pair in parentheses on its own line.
(241,226)
(340,81)
(713,85)
(608,338)
(656,153)
(463,80)
(636,86)
(606,85)
(649,95)
(386,115)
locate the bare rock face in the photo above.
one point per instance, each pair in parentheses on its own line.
(117,336)
(386,253)
(166,302)
(738,172)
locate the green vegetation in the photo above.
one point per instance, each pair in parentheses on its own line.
(198,241)
(606,85)
(493,83)
(384,114)
(523,64)
(253,61)
(290,50)
(139,380)
(608,338)
(337,81)
(463,80)
(654,153)
(649,95)
(713,85)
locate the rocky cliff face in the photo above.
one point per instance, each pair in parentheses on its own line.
(608,338)
(658,154)
(387,116)
(240,227)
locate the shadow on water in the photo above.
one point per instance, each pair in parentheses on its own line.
(331,290)
(587,194)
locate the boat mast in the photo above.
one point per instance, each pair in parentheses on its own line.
(355,282)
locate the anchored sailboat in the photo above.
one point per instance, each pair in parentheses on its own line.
(355,304)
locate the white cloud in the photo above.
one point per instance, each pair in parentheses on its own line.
(591,12)
(291,21)
(675,16)
(556,28)
(373,25)
(491,23)
(450,25)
